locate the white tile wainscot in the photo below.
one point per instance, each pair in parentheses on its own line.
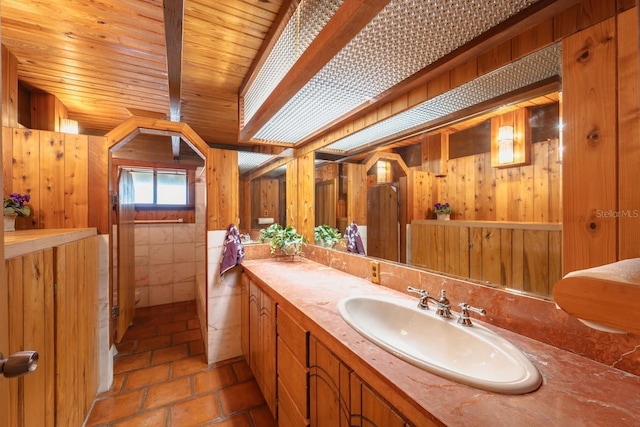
(223,300)
(165,263)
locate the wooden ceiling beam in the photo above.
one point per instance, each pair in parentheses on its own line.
(348,21)
(173,29)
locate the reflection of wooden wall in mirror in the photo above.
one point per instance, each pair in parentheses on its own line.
(329,201)
(356,193)
(435,153)
(265,196)
(522,256)
(476,191)
(326,202)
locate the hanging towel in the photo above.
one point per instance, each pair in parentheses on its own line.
(232,251)
(354,241)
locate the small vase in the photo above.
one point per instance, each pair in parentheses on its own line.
(444,216)
(10,222)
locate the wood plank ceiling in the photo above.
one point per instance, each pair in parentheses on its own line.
(106,60)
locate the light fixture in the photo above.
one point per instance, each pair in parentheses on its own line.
(68,126)
(383,171)
(505,145)
(529,70)
(390,48)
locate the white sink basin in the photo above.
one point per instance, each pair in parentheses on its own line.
(472,355)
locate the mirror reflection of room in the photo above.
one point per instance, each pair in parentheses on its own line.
(505,227)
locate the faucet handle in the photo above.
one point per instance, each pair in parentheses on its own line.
(422,292)
(424,297)
(464,318)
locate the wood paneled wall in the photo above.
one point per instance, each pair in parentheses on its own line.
(61,326)
(76,329)
(628,136)
(53,169)
(9,88)
(602,144)
(300,195)
(223,180)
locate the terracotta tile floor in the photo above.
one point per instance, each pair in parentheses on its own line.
(161,378)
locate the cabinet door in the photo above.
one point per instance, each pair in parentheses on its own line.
(254,330)
(262,343)
(31,327)
(368,409)
(293,372)
(244,316)
(268,351)
(328,384)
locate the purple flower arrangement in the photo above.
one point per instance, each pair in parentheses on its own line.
(15,204)
(442,208)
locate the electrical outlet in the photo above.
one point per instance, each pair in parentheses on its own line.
(266,213)
(374,271)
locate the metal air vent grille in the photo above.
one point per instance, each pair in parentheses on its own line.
(538,66)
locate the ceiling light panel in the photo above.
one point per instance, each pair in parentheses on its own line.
(248,161)
(405,37)
(305,24)
(533,68)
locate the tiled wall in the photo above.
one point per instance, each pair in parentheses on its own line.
(223,303)
(166,260)
(105,356)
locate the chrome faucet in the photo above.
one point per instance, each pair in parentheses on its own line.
(464,318)
(443,307)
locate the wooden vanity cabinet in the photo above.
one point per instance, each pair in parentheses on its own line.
(262,343)
(329,387)
(298,374)
(293,371)
(369,409)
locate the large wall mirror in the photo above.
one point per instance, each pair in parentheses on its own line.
(490,148)
(505,227)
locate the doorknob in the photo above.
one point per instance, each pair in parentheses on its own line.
(19,363)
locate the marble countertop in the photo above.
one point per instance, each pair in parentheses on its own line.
(20,242)
(575,390)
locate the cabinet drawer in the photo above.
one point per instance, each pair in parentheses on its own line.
(294,336)
(294,376)
(288,414)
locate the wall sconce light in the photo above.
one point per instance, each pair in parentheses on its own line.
(505,145)
(68,126)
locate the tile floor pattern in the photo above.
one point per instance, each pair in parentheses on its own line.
(161,378)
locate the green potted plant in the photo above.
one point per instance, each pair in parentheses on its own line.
(287,241)
(442,211)
(326,235)
(267,233)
